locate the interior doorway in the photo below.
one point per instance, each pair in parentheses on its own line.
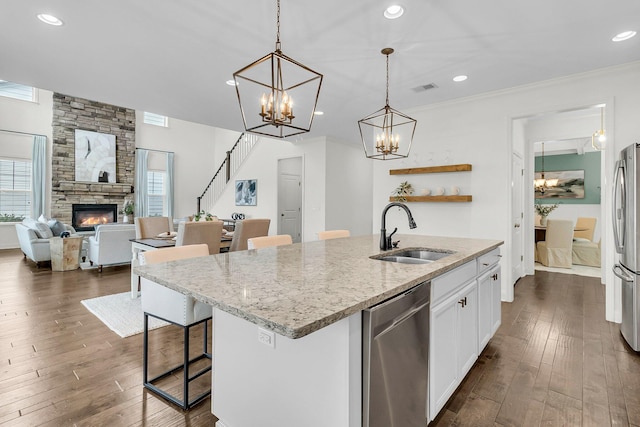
(564,132)
(290,198)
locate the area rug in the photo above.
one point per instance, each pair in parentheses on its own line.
(121,314)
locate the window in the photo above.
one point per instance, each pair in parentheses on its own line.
(15,190)
(156,195)
(17,91)
(155,119)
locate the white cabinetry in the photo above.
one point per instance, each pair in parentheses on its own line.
(453,334)
(489,292)
(465,313)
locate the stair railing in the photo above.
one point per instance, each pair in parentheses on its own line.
(228,168)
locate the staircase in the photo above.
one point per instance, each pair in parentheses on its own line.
(231,164)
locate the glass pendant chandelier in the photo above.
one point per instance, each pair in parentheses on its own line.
(541,183)
(269,89)
(599,137)
(387,134)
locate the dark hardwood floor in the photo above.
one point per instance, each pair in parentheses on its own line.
(554,361)
(62,367)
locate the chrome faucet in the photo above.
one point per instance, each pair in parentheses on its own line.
(385,241)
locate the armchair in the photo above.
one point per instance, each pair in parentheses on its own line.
(111,245)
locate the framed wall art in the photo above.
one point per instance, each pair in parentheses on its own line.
(95,156)
(570,185)
(246,192)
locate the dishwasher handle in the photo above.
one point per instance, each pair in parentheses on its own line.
(390,325)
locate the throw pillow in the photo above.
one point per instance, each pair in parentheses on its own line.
(43,219)
(43,231)
(56,227)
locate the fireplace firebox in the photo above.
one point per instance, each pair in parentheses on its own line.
(86,217)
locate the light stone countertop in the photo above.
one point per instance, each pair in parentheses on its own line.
(297,289)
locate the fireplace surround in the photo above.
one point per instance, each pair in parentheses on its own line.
(84,217)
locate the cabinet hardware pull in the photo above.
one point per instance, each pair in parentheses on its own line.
(495,276)
(461,302)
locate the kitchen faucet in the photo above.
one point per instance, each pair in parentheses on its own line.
(385,241)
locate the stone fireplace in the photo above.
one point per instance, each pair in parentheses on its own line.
(71,113)
(86,217)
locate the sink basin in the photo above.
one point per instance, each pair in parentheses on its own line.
(414,256)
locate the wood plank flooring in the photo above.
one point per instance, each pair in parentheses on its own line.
(60,366)
(554,361)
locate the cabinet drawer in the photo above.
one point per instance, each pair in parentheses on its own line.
(452,281)
(486,261)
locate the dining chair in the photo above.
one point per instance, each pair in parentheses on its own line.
(585,235)
(178,309)
(209,232)
(268,241)
(148,227)
(555,251)
(333,234)
(246,229)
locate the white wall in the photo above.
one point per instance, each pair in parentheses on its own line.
(195,161)
(477,130)
(262,164)
(348,189)
(336,185)
(28,117)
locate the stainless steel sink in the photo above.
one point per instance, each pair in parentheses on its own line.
(414,256)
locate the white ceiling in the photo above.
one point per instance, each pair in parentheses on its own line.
(173,57)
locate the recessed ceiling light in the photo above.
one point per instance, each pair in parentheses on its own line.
(318,113)
(394,11)
(626,35)
(49,19)
(460,78)
(232,83)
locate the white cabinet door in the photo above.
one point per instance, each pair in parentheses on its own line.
(496,298)
(443,369)
(467,328)
(485,310)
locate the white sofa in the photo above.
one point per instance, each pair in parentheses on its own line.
(111,244)
(33,237)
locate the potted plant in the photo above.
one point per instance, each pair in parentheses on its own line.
(544,211)
(127,209)
(402,191)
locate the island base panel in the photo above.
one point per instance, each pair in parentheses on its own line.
(313,381)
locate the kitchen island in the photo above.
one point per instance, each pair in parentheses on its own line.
(287,321)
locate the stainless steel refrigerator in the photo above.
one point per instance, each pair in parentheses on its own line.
(626,212)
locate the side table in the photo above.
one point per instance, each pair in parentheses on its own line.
(65,253)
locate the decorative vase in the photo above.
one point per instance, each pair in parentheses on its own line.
(125,219)
(543,221)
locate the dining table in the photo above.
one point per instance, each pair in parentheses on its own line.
(153,244)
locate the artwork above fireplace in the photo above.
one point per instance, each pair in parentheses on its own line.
(86,217)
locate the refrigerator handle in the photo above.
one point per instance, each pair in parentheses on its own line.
(618,271)
(619,211)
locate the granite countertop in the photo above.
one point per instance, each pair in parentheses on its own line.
(297,289)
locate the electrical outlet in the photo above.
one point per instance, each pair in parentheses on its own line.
(267,338)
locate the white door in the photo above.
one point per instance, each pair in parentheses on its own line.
(517,218)
(290,198)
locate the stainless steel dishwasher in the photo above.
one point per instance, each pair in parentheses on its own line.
(395,355)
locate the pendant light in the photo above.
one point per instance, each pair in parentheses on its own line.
(599,137)
(541,183)
(387,134)
(270,88)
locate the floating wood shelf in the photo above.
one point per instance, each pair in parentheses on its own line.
(458,198)
(431,169)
